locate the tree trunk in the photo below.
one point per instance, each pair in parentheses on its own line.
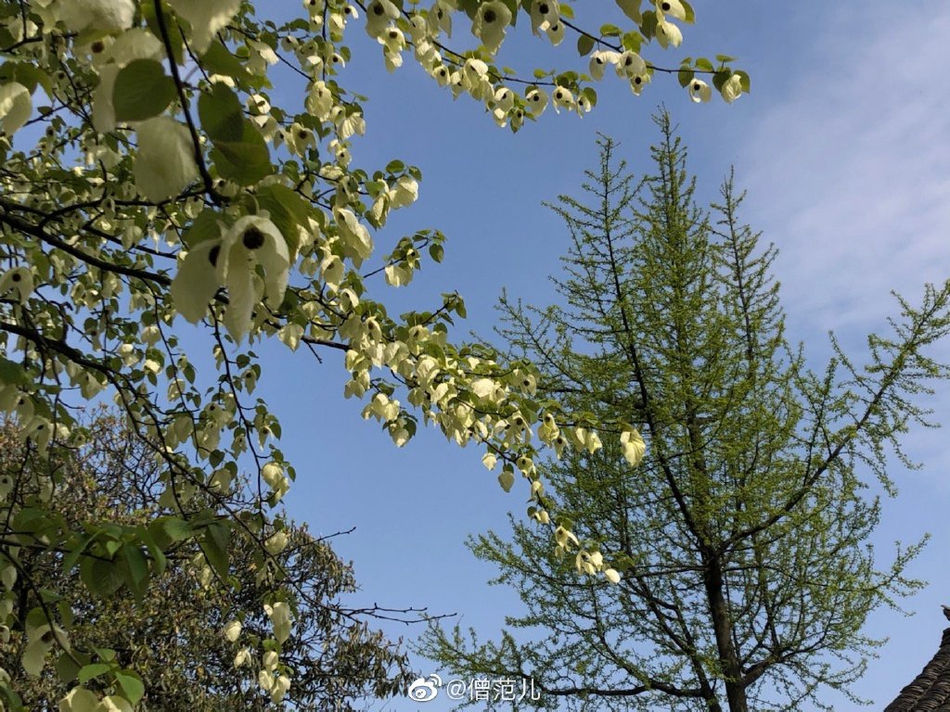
(722,625)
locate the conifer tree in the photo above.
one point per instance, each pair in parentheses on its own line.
(742,538)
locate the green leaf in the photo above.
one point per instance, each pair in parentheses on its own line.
(214,545)
(172,528)
(221,114)
(219,60)
(131,684)
(67,668)
(648,25)
(102,578)
(632,41)
(585,44)
(610,31)
(12,373)
(142,90)
(176,39)
(685,76)
(134,569)
(92,671)
(204,227)
(436,252)
(288,211)
(690,13)
(704,64)
(724,58)
(245,161)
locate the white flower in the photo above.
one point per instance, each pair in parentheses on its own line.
(394,42)
(404,193)
(357,243)
(232,262)
(281,686)
(667,33)
(379,15)
(731,89)
(562,99)
(544,14)
(491,20)
(197,281)
(633,446)
(599,61)
(242,657)
(19,282)
(165,162)
(699,91)
(564,538)
(630,64)
(276,543)
(41,639)
(232,630)
(537,101)
(555,33)
(589,563)
(439,18)
(279,614)
(639,81)
(79,699)
(251,241)
(16,104)
(107,15)
(612,575)
(674,8)
(114,703)
(206,17)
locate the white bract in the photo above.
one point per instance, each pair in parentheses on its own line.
(699,91)
(206,17)
(731,89)
(16,104)
(106,15)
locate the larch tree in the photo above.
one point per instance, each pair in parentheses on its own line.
(148,177)
(743,538)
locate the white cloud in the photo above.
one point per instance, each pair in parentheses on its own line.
(850,171)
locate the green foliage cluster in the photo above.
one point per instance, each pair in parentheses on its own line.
(125,628)
(743,537)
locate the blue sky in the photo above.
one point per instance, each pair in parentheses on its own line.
(844,147)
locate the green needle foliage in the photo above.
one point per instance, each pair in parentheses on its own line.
(743,536)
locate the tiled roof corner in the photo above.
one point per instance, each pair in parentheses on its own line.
(930,690)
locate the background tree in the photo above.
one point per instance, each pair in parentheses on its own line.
(148,177)
(179,634)
(743,537)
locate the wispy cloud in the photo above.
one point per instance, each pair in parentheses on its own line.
(851,170)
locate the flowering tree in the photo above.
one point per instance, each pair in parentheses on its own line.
(148,178)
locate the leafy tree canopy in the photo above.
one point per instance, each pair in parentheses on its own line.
(181,635)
